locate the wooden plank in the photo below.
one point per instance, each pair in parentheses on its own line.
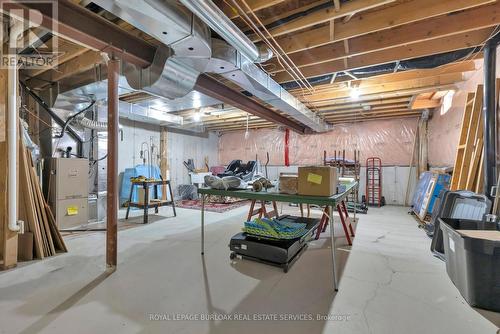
(472,131)
(480,177)
(325,15)
(30,211)
(362,24)
(474,165)
(78,64)
(441,80)
(8,239)
(425,104)
(164,159)
(59,244)
(41,203)
(425,30)
(435,46)
(255,5)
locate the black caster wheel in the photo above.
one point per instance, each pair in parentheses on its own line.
(232,256)
(285,269)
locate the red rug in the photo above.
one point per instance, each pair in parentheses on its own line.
(213,207)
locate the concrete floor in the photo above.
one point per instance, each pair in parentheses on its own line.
(390,284)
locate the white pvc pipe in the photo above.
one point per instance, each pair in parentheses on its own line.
(14,225)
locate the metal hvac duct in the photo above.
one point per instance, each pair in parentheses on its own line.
(188,51)
(222,25)
(229,63)
(184,55)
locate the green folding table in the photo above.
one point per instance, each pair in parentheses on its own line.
(271,195)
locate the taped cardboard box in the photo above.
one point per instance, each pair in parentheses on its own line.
(289,183)
(317,181)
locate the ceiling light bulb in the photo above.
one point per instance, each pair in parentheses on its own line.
(354,93)
(197,116)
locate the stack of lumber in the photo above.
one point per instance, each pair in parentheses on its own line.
(34,210)
(468,173)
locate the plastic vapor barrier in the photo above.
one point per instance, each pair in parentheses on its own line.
(391,140)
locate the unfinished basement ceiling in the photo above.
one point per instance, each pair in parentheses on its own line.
(360,63)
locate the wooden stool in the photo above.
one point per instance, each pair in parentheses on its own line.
(262,210)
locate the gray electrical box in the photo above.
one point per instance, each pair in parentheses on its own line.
(69,191)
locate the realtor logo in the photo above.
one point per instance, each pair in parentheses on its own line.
(28,31)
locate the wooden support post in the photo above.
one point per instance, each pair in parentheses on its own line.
(164,160)
(112,170)
(8,239)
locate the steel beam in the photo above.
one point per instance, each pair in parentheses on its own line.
(112,166)
(82,26)
(219,91)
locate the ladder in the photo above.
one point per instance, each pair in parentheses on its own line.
(374,181)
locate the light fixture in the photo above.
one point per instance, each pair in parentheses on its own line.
(354,93)
(197,116)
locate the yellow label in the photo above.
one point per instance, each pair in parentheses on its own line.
(72,210)
(314,178)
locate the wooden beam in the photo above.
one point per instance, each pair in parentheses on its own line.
(255,5)
(436,46)
(459,67)
(361,104)
(66,51)
(364,119)
(8,239)
(334,116)
(362,24)
(338,111)
(425,104)
(324,15)
(285,13)
(442,26)
(78,64)
(403,87)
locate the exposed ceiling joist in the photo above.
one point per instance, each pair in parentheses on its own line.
(255,5)
(78,64)
(362,24)
(374,118)
(217,90)
(403,87)
(325,15)
(459,67)
(472,19)
(436,46)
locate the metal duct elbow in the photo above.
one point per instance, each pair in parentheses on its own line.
(166,76)
(185,49)
(220,23)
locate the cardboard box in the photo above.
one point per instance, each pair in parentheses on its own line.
(317,181)
(289,183)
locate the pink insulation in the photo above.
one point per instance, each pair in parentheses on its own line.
(444,127)
(391,140)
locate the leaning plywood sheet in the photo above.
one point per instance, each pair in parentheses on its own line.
(28,203)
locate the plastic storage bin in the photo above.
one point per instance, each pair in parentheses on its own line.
(473,264)
(461,204)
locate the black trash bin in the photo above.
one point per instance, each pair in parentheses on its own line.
(473,264)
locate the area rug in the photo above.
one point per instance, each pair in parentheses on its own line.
(212,207)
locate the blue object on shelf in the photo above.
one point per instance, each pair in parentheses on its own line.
(144,170)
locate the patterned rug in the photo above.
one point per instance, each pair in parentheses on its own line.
(212,207)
